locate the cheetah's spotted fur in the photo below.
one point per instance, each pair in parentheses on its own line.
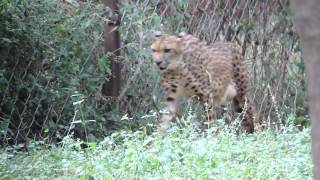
(189,67)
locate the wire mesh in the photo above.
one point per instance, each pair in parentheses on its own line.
(38,100)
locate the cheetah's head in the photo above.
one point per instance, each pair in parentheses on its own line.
(166,52)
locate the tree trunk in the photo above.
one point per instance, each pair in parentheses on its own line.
(307,20)
(112,45)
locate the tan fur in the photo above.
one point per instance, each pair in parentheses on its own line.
(214,73)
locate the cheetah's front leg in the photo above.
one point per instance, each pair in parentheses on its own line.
(165,120)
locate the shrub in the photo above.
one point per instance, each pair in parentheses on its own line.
(50,53)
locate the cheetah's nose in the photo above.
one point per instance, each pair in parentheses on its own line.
(158,62)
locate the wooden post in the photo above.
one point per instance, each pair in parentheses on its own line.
(111,88)
(307,20)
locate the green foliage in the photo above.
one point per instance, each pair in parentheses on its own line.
(141,76)
(181,154)
(302,121)
(49,51)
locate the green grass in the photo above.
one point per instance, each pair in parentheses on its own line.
(181,154)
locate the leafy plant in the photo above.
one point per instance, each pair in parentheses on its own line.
(181,154)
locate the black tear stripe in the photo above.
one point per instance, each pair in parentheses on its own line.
(170,99)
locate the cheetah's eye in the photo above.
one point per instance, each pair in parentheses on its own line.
(153,50)
(167,50)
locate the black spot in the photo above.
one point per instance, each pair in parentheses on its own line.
(200,95)
(173,90)
(186,85)
(196,91)
(173,85)
(167,50)
(193,87)
(170,99)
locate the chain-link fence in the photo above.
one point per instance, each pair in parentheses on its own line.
(263,29)
(53,66)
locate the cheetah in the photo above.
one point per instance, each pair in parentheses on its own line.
(189,67)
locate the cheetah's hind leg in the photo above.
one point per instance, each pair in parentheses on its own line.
(245,106)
